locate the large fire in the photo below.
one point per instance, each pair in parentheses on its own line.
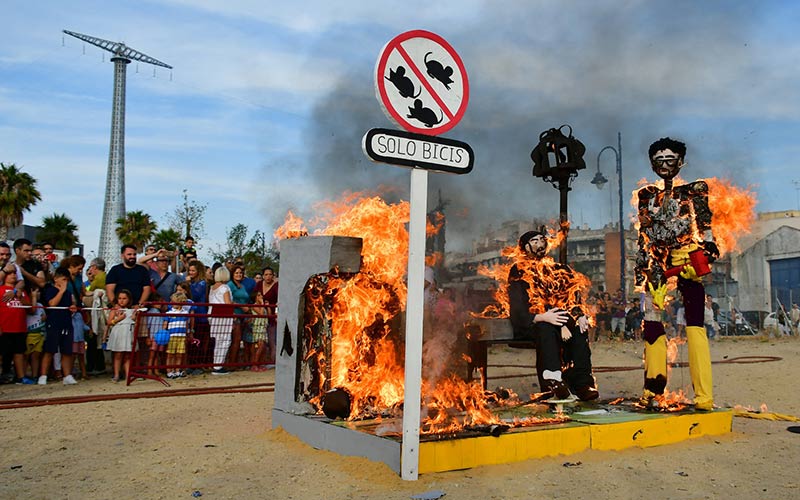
(353,326)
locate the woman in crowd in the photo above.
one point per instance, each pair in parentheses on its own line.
(199,352)
(220,321)
(239,295)
(76,289)
(267,290)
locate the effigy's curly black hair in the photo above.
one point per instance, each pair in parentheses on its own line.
(667,143)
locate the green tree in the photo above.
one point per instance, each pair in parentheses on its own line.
(187,218)
(168,239)
(252,250)
(136,228)
(18,194)
(59,230)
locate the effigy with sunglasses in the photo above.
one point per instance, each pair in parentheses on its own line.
(675,240)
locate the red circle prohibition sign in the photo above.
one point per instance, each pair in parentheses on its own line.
(421,93)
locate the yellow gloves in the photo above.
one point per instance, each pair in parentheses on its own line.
(659,294)
(689,273)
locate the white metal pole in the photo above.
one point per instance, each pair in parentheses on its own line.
(409,459)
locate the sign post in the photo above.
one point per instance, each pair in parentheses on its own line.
(422,85)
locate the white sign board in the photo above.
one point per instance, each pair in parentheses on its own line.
(421,83)
(397,147)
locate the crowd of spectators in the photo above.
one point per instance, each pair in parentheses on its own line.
(617,318)
(56,325)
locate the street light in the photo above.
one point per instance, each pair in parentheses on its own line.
(599,181)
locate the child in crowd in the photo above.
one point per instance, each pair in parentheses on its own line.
(119,333)
(259,336)
(14,328)
(79,329)
(35,340)
(59,337)
(178,327)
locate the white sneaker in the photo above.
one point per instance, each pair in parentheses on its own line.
(43,380)
(70,380)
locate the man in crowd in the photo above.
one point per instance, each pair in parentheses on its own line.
(164,282)
(618,314)
(128,275)
(49,256)
(30,270)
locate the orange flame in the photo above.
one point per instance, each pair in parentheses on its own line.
(293,227)
(364,354)
(548,280)
(733,212)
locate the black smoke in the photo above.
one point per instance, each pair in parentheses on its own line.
(635,67)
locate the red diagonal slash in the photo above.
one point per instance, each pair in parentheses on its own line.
(424,81)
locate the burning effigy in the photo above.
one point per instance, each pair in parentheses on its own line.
(678,235)
(543,301)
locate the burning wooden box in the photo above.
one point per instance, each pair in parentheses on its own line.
(328,288)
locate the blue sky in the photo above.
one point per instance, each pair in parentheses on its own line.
(268,101)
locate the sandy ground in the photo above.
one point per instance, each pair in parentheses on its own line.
(223,446)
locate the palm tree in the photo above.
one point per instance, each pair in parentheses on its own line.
(168,239)
(136,228)
(59,230)
(18,194)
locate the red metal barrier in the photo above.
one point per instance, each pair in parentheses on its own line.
(172,340)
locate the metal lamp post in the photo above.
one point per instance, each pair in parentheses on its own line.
(557,159)
(599,181)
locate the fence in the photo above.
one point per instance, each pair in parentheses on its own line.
(174,340)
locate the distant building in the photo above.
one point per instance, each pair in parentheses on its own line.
(767,263)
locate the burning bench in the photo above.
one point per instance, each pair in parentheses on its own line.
(485,332)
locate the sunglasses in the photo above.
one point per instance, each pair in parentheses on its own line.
(670,161)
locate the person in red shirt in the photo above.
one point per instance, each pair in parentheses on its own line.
(14,329)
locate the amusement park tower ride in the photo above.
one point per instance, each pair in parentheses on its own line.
(114,205)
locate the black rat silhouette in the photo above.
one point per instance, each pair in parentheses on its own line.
(423,114)
(438,71)
(403,83)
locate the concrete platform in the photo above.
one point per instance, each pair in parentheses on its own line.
(592,426)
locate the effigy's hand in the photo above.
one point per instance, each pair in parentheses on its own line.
(565,333)
(583,324)
(554,316)
(659,294)
(689,273)
(8,296)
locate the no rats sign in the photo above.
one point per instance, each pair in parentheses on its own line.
(421,83)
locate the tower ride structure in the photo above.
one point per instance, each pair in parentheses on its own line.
(114,203)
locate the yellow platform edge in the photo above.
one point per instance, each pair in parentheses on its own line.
(526,444)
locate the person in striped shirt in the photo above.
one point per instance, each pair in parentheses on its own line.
(178,325)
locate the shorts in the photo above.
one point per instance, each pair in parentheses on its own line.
(78,347)
(177,345)
(35,343)
(259,330)
(58,341)
(14,343)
